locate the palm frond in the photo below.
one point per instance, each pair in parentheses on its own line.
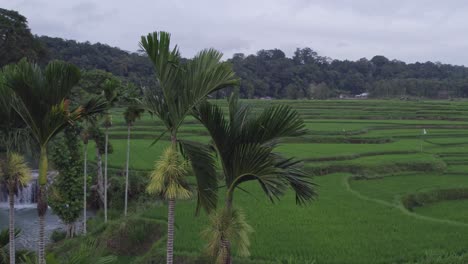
(14,172)
(201,76)
(203,163)
(132,113)
(40,97)
(212,117)
(254,162)
(227,225)
(168,176)
(297,178)
(245,144)
(274,123)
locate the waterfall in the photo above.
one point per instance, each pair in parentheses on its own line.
(25,197)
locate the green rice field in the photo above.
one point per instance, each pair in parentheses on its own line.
(388,193)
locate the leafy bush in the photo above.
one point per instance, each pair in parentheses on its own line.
(58,235)
(132,236)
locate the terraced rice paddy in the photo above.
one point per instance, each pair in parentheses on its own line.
(388,193)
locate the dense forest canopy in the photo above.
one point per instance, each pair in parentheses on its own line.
(268,73)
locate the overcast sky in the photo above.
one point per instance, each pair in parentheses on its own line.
(409,30)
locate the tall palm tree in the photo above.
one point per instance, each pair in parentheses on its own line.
(131,114)
(41,99)
(181,87)
(245,144)
(110,94)
(14,174)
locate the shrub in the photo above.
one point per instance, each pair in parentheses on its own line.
(132,236)
(58,235)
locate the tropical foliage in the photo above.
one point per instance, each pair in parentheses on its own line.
(245,144)
(41,99)
(65,194)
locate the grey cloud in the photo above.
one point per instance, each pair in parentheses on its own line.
(417,30)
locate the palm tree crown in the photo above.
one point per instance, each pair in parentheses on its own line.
(246,144)
(14,172)
(132,113)
(180,88)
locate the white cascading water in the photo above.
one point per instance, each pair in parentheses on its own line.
(25,197)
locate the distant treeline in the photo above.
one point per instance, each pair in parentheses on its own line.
(268,73)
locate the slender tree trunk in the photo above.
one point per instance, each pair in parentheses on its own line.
(105,176)
(227,251)
(42,204)
(100,180)
(225,243)
(11,200)
(170,220)
(126,171)
(170,231)
(70,230)
(85,176)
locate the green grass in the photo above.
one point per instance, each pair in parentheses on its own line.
(352,221)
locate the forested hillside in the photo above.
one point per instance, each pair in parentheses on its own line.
(268,73)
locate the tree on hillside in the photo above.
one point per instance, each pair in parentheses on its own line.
(16,40)
(181,87)
(41,99)
(131,114)
(245,144)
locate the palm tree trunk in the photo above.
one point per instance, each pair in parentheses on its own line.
(225,243)
(126,171)
(42,203)
(170,220)
(85,154)
(11,200)
(170,231)
(105,176)
(100,177)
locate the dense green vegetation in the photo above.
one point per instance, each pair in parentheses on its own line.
(359,216)
(270,73)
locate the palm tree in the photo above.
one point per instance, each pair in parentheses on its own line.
(181,87)
(110,94)
(13,135)
(14,175)
(41,101)
(245,144)
(131,114)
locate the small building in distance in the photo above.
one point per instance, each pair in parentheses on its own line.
(362,96)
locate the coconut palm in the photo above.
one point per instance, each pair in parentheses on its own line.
(110,94)
(131,114)
(14,175)
(41,101)
(181,87)
(245,144)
